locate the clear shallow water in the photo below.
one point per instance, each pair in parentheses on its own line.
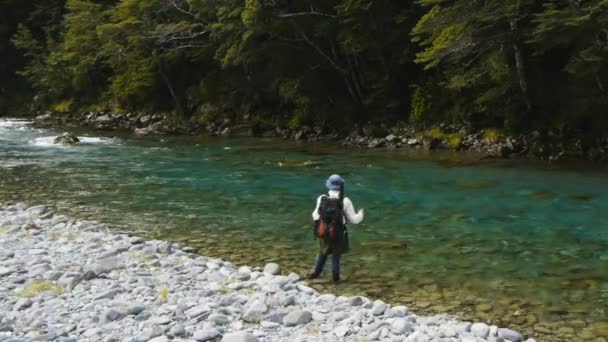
(518,245)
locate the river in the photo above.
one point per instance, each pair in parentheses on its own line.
(517,244)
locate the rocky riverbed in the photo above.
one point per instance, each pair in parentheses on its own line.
(69,280)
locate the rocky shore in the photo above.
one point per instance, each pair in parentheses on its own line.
(551,145)
(63,279)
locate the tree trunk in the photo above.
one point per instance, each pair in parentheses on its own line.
(178,107)
(352,76)
(344,73)
(600,84)
(519,64)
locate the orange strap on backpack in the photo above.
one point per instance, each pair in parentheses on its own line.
(321,228)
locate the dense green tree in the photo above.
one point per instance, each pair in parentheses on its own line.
(479,50)
(324,57)
(11,14)
(67,66)
(39,22)
(519,64)
(156,48)
(572,37)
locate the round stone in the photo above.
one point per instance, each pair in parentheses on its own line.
(480,330)
(206,335)
(297,317)
(355,301)
(272,268)
(239,337)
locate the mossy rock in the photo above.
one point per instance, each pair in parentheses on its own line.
(452,140)
(67,139)
(38,287)
(492,135)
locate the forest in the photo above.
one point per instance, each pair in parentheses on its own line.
(518,65)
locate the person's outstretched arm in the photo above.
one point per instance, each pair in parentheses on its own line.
(349,211)
(315,213)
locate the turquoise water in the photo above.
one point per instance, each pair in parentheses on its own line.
(523,245)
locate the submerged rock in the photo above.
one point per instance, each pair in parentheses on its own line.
(297,163)
(67,139)
(385,244)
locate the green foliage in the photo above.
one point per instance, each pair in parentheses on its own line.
(444,41)
(421,104)
(517,64)
(471,47)
(576,34)
(37,21)
(63,106)
(296,121)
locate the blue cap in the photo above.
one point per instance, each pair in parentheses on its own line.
(334,182)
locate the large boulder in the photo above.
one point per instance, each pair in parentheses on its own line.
(297,317)
(67,139)
(255,312)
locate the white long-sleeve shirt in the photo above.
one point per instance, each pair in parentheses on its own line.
(350,215)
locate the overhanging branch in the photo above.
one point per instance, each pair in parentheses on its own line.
(299,14)
(172,2)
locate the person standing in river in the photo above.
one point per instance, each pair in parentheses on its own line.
(332,212)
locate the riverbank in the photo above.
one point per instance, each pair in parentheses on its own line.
(492,143)
(70,280)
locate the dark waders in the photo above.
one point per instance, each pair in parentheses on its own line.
(336,249)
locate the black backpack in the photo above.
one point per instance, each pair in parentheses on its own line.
(331,223)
